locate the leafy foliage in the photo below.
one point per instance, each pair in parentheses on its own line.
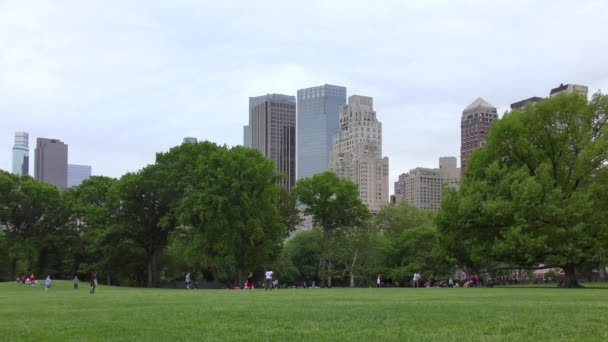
(334,204)
(531,195)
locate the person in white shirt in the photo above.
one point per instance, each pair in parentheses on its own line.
(47,282)
(416,279)
(188,281)
(268,284)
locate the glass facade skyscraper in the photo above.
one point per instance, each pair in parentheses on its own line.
(317,121)
(21,154)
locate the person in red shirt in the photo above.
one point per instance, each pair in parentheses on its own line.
(32,278)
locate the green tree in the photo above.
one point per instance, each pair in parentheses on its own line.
(528,195)
(92,218)
(334,204)
(407,242)
(232,212)
(139,213)
(33,216)
(301,253)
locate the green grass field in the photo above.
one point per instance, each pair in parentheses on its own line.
(128,314)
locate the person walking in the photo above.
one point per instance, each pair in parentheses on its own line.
(188,281)
(416,279)
(76,281)
(47,282)
(379,280)
(93,282)
(268,284)
(249,284)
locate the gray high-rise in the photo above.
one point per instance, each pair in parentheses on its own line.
(51,164)
(254,101)
(318,111)
(78,174)
(21,154)
(273,132)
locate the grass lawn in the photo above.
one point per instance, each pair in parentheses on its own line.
(127,314)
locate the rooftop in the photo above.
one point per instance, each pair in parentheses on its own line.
(479,102)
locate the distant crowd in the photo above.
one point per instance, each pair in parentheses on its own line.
(31,280)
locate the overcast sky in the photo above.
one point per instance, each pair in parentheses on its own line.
(120,80)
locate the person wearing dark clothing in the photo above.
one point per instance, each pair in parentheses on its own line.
(93,282)
(249,284)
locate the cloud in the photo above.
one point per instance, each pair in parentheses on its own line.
(121,80)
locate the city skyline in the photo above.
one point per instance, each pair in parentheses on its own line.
(147,80)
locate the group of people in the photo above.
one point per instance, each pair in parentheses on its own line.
(269,284)
(31,280)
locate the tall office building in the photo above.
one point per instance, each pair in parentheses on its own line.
(569,89)
(21,154)
(523,103)
(78,174)
(318,110)
(254,101)
(273,132)
(357,151)
(422,187)
(51,163)
(474,126)
(189,140)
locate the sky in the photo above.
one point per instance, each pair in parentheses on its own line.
(119,81)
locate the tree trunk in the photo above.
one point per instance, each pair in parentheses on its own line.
(239,275)
(569,279)
(156,270)
(150,272)
(352,269)
(323,255)
(13,268)
(329,270)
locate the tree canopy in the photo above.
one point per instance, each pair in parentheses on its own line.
(333,203)
(533,194)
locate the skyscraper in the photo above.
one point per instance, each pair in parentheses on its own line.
(523,103)
(189,140)
(357,151)
(318,110)
(474,126)
(273,132)
(51,164)
(78,174)
(422,187)
(21,154)
(569,89)
(254,101)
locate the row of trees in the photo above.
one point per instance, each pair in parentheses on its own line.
(535,194)
(397,242)
(200,206)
